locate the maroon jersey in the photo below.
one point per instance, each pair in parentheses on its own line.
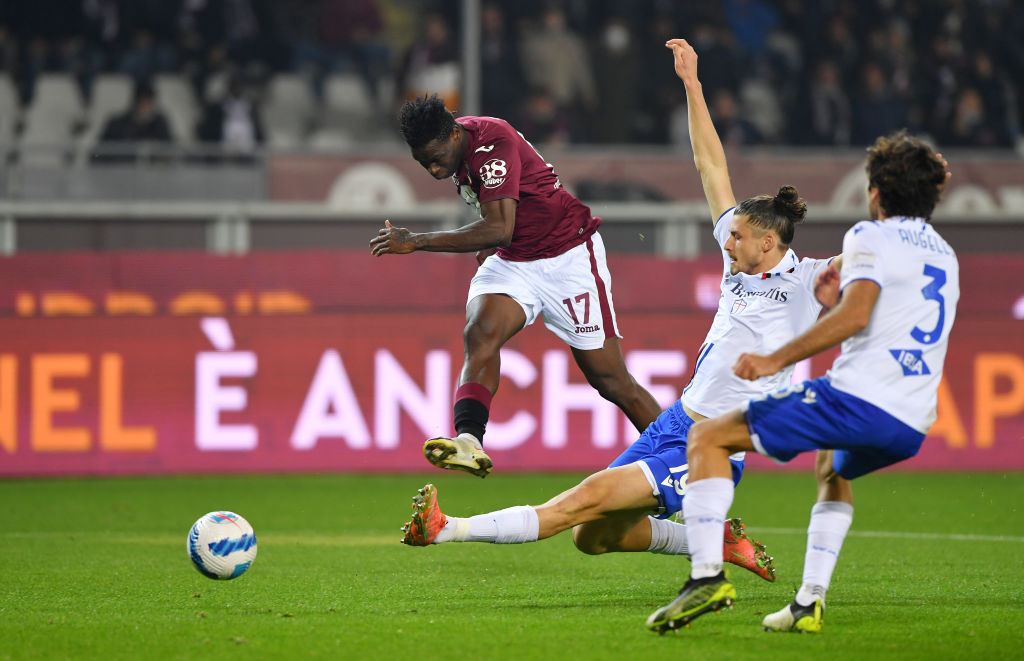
(500,163)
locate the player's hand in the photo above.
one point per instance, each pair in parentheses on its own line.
(685,59)
(482,255)
(945,166)
(394,240)
(826,287)
(752,366)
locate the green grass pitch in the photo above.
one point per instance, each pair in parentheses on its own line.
(97,569)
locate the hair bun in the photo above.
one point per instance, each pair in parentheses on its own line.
(788,202)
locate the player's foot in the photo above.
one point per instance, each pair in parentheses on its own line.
(745,552)
(427,519)
(698,596)
(797,618)
(459,453)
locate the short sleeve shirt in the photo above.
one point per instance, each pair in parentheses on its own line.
(500,163)
(896,361)
(756,314)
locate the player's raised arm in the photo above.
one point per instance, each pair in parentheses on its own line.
(708,154)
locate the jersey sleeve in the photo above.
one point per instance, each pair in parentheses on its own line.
(810,268)
(863,248)
(498,168)
(722,226)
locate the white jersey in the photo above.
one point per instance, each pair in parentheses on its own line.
(896,362)
(756,314)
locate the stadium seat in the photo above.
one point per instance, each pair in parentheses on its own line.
(330,139)
(46,140)
(177,101)
(57,95)
(111,96)
(347,105)
(288,110)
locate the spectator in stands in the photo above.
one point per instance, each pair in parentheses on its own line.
(232,123)
(141,123)
(877,110)
(501,72)
(840,46)
(619,83)
(660,93)
(222,35)
(147,29)
(972,125)
(829,106)
(543,120)
(734,129)
(994,97)
(431,66)
(349,37)
(750,21)
(555,58)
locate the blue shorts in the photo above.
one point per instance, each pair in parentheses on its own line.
(661,452)
(815,416)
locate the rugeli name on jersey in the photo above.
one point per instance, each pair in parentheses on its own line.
(925,241)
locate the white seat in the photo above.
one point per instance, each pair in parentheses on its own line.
(45,140)
(348,105)
(346,92)
(330,140)
(293,93)
(287,110)
(57,95)
(54,115)
(177,101)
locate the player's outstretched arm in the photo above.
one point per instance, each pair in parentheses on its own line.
(708,154)
(494,228)
(850,316)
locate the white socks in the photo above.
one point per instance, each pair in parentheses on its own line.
(830,521)
(514,525)
(668,537)
(705,507)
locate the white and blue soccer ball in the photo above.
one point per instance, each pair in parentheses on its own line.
(222,545)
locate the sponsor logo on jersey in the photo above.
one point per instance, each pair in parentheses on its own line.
(488,148)
(911,361)
(775,293)
(587,329)
(493,172)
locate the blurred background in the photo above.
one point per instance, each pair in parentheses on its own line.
(188,188)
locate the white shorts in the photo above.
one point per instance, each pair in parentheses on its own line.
(572,290)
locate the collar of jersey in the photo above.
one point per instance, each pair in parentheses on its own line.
(786,265)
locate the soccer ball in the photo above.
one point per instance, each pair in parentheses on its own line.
(221,545)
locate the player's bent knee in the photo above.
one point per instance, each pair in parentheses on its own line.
(588,539)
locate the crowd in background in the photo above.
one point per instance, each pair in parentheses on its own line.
(775,72)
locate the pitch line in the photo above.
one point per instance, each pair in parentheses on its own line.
(883,534)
